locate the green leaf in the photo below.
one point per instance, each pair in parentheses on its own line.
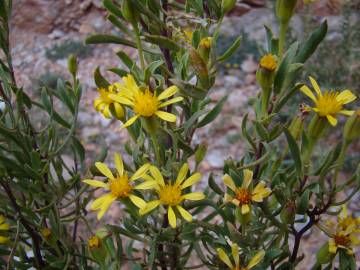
(303,202)
(189,89)
(229,52)
(110,6)
(262,131)
(103,38)
(295,152)
(163,42)
(214,186)
(100,81)
(80,150)
(150,69)
(213,113)
(245,132)
(310,45)
(119,71)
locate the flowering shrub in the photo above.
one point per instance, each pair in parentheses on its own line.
(254,218)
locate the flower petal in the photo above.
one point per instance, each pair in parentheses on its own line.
(105,206)
(191,180)
(130,121)
(224,258)
(316,86)
(185,214)
(345,97)
(3,239)
(119,110)
(332,120)
(256,259)
(306,90)
(121,99)
(172,90)
(146,185)
(149,207)
(171,217)
(229,182)
(245,208)
(235,254)
(193,196)
(4,227)
(169,117)
(171,101)
(95,183)
(99,201)
(104,170)
(119,164)
(248,175)
(140,172)
(182,174)
(140,203)
(347,112)
(155,172)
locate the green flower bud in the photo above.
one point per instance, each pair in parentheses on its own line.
(243,219)
(204,48)
(285,10)
(352,127)
(287,214)
(317,127)
(97,249)
(227,5)
(72,65)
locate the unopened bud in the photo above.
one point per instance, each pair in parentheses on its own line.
(96,249)
(72,65)
(285,10)
(266,71)
(227,5)
(352,127)
(287,214)
(204,48)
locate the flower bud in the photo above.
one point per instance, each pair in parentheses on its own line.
(96,248)
(287,214)
(204,48)
(266,71)
(72,65)
(227,5)
(285,10)
(317,127)
(352,127)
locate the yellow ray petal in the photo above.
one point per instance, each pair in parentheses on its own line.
(235,202)
(171,101)
(235,254)
(332,246)
(121,99)
(182,174)
(97,103)
(119,164)
(3,239)
(119,110)
(146,185)
(130,83)
(332,120)
(106,111)
(2,219)
(140,203)
(193,196)
(140,172)
(316,86)
(229,182)
(224,258)
(191,180)
(95,183)
(104,170)
(347,112)
(171,217)
(248,175)
(169,117)
(306,90)
(130,121)
(99,201)
(256,259)
(149,207)
(157,175)
(185,214)
(4,227)
(172,90)
(105,206)
(245,208)
(345,97)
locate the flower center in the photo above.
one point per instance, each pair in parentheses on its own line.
(104,96)
(120,186)
(327,104)
(94,242)
(342,240)
(145,103)
(170,195)
(243,196)
(268,62)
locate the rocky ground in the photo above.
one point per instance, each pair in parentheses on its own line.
(33,37)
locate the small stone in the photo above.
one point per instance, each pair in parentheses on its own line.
(56,34)
(249,65)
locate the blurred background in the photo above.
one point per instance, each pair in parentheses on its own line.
(46,32)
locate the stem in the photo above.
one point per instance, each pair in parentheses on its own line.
(156,149)
(282,36)
(265,101)
(341,159)
(139,46)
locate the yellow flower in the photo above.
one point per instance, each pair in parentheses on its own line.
(206,43)
(171,194)
(120,186)
(268,62)
(46,232)
(145,103)
(244,195)
(235,255)
(188,34)
(94,242)
(3,227)
(343,233)
(330,103)
(104,102)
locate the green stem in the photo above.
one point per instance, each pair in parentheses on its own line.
(139,46)
(341,159)
(282,36)
(156,149)
(265,101)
